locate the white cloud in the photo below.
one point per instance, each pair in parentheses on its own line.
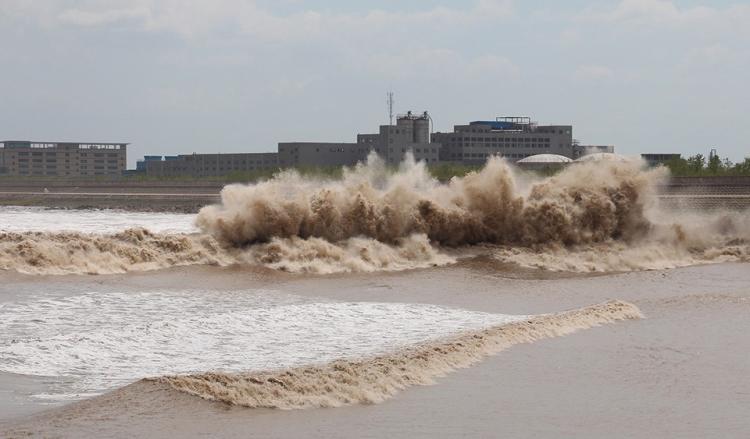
(192,18)
(666,13)
(593,72)
(570,36)
(649,11)
(89,18)
(712,55)
(416,63)
(493,66)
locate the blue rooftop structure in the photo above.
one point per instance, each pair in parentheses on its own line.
(495,124)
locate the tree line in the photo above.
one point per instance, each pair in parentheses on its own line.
(697,166)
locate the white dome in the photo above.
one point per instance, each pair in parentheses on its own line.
(603,156)
(546,158)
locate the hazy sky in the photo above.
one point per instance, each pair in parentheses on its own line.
(182,76)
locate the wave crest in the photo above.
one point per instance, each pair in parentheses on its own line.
(139,250)
(584,203)
(374,380)
(601,216)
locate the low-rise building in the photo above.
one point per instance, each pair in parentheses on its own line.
(62,159)
(655,159)
(321,154)
(207,165)
(411,134)
(514,138)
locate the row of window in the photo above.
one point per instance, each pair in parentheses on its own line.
(501,139)
(67,154)
(186,170)
(213,162)
(512,145)
(487,130)
(54,172)
(486,155)
(419,150)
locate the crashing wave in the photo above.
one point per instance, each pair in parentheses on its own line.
(583,204)
(140,250)
(589,217)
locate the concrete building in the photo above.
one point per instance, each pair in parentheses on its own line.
(207,165)
(514,138)
(659,159)
(321,154)
(140,165)
(62,159)
(411,134)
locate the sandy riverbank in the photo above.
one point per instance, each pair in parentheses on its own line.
(678,373)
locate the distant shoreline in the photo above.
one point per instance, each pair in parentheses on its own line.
(189,196)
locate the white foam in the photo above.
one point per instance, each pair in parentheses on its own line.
(104,221)
(92,342)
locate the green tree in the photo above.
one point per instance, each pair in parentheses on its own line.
(715,166)
(678,166)
(742,168)
(696,163)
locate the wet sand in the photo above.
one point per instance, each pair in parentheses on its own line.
(681,372)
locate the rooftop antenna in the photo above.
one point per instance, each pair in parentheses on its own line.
(390,108)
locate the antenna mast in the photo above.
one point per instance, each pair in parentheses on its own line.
(390,108)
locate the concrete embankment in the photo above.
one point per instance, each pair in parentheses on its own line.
(189,196)
(706,193)
(129,195)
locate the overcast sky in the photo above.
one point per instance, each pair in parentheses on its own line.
(182,76)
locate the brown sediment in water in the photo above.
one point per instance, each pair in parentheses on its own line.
(591,217)
(583,204)
(141,250)
(374,380)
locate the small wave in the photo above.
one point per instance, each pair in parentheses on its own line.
(377,379)
(620,257)
(141,250)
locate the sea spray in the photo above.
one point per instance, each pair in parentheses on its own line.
(601,216)
(583,204)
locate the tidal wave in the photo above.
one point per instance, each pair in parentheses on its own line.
(601,216)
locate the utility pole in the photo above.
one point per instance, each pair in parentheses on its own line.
(390,108)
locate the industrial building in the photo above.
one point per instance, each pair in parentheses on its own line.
(514,138)
(411,134)
(62,159)
(320,154)
(207,165)
(655,159)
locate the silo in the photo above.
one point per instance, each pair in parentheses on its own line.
(422,129)
(406,126)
